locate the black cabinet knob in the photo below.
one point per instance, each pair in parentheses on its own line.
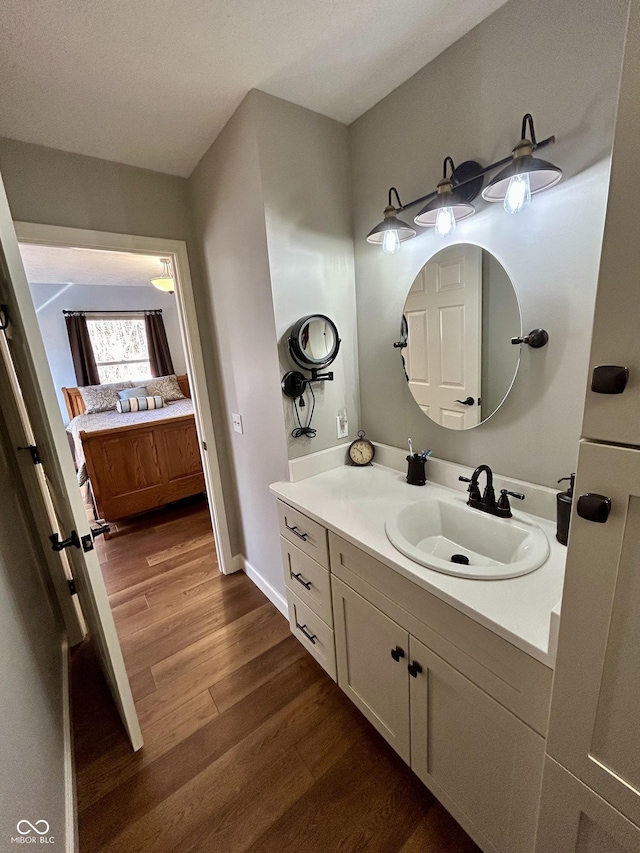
(397,653)
(594,507)
(609,379)
(414,668)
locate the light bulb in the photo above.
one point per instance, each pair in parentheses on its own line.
(390,242)
(445,221)
(518,193)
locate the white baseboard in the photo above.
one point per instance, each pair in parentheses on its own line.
(275,597)
(70,808)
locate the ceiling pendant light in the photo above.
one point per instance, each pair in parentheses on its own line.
(165,279)
(391,231)
(524,176)
(446,208)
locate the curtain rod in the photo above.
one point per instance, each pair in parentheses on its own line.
(113,311)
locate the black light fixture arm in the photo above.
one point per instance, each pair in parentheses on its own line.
(497,165)
(395,192)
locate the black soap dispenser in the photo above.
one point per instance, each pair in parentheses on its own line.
(565,500)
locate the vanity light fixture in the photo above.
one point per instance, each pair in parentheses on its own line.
(525,175)
(165,280)
(521,176)
(391,231)
(447,207)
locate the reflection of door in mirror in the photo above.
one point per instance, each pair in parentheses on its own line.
(444,317)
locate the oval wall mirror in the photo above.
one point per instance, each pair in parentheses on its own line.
(314,341)
(459,317)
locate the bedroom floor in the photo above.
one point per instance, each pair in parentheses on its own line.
(249,745)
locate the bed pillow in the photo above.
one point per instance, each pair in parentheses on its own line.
(167,387)
(139,404)
(138,391)
(102,398)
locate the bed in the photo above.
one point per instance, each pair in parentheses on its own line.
(138,461)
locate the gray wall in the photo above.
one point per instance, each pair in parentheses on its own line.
(53,187)
(31,734)
(51,299)
(560,61)
(500,322)
(304,164)
(228,210)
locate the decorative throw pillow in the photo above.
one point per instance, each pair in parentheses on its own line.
(139,404)
(167,387)
(102,398)
(138,391)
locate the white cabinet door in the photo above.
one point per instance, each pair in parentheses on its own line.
(594,729)
(575,820)
(616,418)
(373,678)
(444,321)
(481,762)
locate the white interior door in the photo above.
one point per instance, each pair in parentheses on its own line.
(444,319)
(34,388)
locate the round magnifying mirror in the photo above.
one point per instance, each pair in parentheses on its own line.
(459,317)
(314,341)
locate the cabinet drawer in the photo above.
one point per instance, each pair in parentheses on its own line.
(307,534)
(314,634)
(308,580)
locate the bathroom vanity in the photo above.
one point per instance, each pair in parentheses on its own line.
(454,673)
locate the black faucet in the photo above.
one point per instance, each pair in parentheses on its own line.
(487,501)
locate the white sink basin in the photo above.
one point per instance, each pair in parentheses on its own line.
(430,532)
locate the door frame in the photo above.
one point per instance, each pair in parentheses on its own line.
(55,235)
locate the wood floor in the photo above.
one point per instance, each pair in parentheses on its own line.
(249,745)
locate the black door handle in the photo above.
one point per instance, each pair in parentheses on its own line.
(594,507)
(468,402)
(609,379)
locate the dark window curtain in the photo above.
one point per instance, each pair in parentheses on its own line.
(159,355)
(81,350)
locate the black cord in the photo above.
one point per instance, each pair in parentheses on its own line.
(307,430)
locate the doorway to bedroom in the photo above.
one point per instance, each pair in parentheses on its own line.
(117,318)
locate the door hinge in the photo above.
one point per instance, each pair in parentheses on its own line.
(72,587)
(33,450)
(58,544)
(204,446)
(4,317)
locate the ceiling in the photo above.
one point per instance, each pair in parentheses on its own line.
(58,265)
(152,83)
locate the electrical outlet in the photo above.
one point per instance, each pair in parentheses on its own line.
(342,424)
(236,420)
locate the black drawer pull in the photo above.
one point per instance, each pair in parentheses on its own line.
(609,379)
(397,653)
(594,507)
(414,668)
(295,530)
(299,578)
(305,631)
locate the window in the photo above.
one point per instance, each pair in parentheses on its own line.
(120,347)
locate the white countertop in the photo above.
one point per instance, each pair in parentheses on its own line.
(355,502)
